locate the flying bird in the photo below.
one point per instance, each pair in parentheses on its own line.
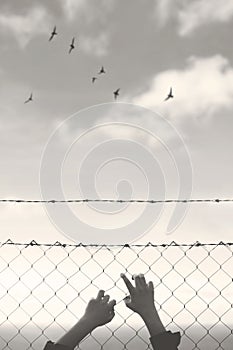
(169,95)
(116,93)
(53,33)
(29,99)
(102,71)
(93,79)
(72,45)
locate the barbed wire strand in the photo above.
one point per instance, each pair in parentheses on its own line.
(126,245)
(151,201)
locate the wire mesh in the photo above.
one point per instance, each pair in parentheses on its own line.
(44,289)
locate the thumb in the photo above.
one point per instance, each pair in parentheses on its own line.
(127,301)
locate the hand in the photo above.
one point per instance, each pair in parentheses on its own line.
(100,310)
(141,298)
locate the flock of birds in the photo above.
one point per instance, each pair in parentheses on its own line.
(101,71)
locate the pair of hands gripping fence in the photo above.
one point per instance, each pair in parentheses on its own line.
(140,300)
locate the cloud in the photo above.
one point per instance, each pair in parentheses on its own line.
(71,7)
(97,46)
(199,13)
(191,15)
(202,88)
(25,27)
(164,11)
(91,10)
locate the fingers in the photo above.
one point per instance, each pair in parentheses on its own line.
(137,282)
(128,284)
(140,281)
(105,299)
(112,303)
(127,301)
(151,287)
(100,295)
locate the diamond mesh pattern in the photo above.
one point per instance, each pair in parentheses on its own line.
(44,289)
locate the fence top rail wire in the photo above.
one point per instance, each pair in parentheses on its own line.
(149,244)
(151,201)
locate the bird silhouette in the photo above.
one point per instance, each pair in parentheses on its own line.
(116,93)
(53,33)
(29,99)
(72,45)
(93,79)
(169,95)
(102,70)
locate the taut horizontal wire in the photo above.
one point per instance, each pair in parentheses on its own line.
(151,201)
(127,245)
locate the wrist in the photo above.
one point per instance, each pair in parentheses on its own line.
(88,322)
(148,313)
(153,322)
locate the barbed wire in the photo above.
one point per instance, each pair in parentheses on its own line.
(40,290)
(126,245)
(151,201)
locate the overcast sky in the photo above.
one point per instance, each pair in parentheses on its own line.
(146,47)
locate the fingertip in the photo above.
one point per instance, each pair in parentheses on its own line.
(100,294)
(151,285)
(127,298)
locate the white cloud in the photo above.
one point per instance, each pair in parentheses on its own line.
(199,13)
(164,10)
(203,87)
(191,15)
(71,7)
(92,10)
(25,27)
(96,46)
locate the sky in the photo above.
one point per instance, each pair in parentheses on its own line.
(138,146)
(74,140)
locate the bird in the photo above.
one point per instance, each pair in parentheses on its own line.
(93,79)
(53,33)
(169,95)
(29,99)
(72,45)
(102,70)
(116,93)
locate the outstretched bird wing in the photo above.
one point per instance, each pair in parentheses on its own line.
(71,45)
(116,93)
(53,33)
(29,99)
(101,70)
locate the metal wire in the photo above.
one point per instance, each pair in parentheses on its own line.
(151,201)
(42,286)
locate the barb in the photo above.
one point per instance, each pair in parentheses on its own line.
(127,245)
(33,283)
(151,201)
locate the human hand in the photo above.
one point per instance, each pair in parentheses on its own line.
(100,310)
(141,298)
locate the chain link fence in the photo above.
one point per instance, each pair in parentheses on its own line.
(44,289)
